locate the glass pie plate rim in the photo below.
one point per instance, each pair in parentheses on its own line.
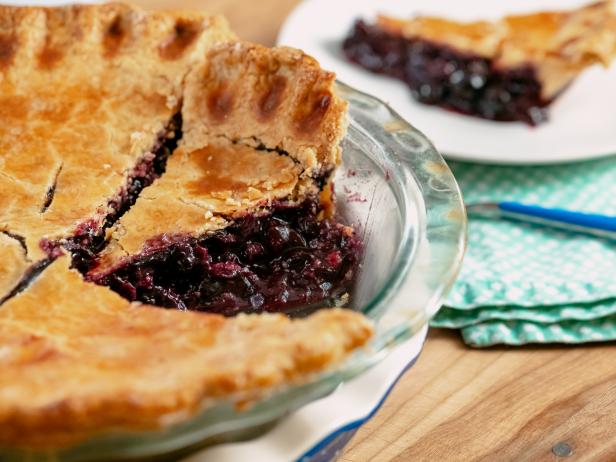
(431,247)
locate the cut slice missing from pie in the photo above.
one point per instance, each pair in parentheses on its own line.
(151,161)
(508,70)
(238,218)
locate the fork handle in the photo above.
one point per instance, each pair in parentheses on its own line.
(595,224)
(586,220)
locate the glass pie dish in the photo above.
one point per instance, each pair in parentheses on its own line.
(402,198)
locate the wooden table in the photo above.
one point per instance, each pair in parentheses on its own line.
(497,404)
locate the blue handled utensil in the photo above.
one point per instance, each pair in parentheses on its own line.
(586,223)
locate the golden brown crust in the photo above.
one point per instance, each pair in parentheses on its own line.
(559,44)
(85,93)
(77,359)
(481,37)
(277,97)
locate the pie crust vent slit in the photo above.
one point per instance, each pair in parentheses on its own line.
(89,240)
(29,276)
(51,191)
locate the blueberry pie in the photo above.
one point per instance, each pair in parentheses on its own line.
(508,70)
(152,161)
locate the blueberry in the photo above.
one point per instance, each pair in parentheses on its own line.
(252,251)
(278,237)
(257,300)
(225,270)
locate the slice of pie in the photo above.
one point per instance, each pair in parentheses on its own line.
(151,161)
(508,70)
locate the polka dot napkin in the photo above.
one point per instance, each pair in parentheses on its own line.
(523,283)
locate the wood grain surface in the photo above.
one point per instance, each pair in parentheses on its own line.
(460,404)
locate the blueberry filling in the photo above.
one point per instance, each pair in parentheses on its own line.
(281,261)
(440,75)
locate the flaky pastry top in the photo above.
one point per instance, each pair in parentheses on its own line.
(85,92)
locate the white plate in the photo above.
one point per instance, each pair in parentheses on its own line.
(306,431)
(582,122)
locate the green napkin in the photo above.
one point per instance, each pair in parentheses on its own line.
(522,283)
